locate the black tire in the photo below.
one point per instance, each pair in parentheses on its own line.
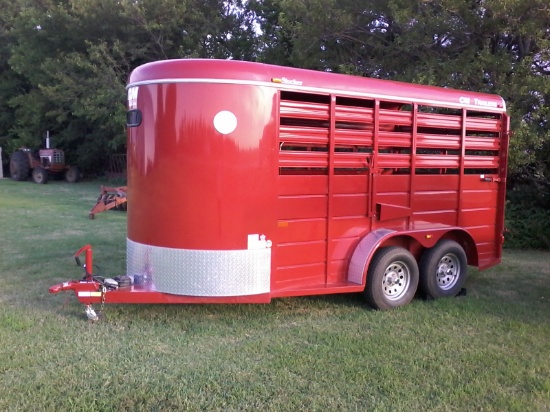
(19,166)
(392,278)
(443,270)
(40,175)
(72,175)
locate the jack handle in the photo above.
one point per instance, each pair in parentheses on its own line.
(88,266)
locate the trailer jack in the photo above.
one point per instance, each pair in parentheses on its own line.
(91,313)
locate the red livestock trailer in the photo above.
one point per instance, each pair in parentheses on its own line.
(289,182)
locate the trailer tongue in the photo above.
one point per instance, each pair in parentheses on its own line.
(136,288)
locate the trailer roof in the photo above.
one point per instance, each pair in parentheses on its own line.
(242,72)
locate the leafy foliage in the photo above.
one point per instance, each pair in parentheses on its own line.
(528,227)
(68,61)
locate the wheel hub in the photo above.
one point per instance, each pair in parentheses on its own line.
(396,280)
(448,271)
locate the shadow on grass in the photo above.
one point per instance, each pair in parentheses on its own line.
(293,306)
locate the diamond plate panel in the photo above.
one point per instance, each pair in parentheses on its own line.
(200,272)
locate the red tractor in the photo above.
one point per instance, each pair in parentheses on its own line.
(39,164)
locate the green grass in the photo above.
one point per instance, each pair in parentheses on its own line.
(487,351)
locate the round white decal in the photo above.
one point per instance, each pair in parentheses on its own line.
(225,122)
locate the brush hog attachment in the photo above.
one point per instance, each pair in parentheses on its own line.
(110,198)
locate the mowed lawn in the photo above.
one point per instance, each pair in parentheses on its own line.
(487,351)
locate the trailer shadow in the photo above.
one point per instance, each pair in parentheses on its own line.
(517,291)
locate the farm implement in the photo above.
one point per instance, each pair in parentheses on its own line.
(110,198)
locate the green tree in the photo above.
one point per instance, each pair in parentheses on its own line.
(73,58)
(11,84)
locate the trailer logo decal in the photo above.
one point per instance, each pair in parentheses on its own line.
(225,122)
(477,102)
(284,80)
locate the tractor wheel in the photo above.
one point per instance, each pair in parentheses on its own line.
(443,270)
(392,278)
(19,166)
(40,175)
(72,175)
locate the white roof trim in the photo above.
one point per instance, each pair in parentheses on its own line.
(400,99)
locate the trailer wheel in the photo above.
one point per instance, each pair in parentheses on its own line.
(72,175)
(392,278)
(19,166)
(40,175)
(443,270)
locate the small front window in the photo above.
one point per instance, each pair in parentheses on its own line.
(133,118)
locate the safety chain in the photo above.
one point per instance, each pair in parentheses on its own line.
(103,290)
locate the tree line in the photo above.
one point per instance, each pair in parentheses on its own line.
(64,63)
